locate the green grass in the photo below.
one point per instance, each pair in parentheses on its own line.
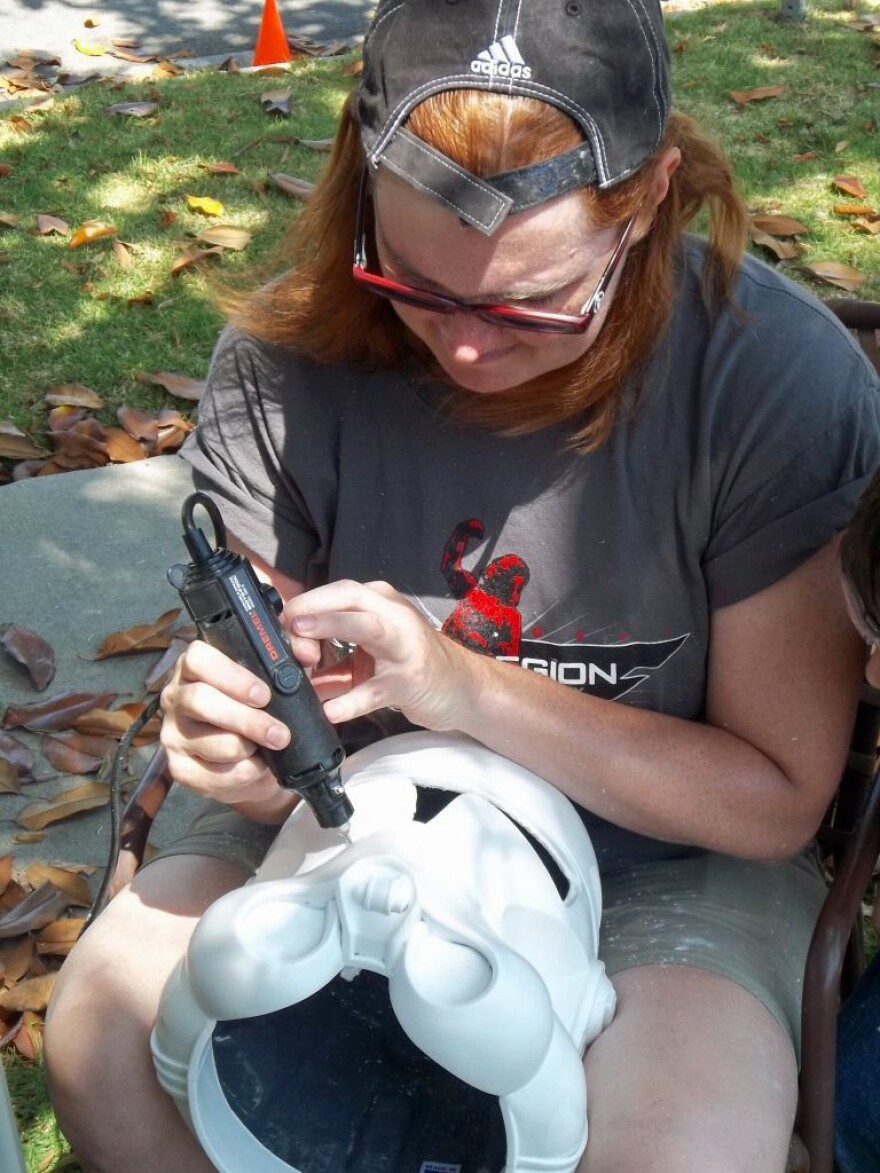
(832,96)
(65,315)
(45,1149)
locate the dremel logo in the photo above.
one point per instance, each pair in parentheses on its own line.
(502,59)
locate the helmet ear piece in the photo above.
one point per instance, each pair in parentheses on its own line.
(463,1006)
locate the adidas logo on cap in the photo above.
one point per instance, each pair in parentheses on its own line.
(502,59)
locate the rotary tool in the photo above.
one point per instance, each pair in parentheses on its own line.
(236,613)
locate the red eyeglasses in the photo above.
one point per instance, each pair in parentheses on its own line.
(498,315)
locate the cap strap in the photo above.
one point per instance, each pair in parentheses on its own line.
(473,199)
(484,203)
(528,186)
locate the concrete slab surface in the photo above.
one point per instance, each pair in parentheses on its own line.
(85,554)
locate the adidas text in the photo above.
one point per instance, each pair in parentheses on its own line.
(501,69)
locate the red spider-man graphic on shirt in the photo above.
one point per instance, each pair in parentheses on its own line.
(486,618)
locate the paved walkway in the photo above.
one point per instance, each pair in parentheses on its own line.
(206,27)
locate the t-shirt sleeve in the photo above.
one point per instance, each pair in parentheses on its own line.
(792,458)
(236,451)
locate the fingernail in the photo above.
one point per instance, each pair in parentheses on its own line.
(259,694)
(303,623)
(277,736)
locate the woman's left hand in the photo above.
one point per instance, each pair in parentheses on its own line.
(400,660)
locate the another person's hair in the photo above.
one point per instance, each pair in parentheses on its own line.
(316,307)
(860,558)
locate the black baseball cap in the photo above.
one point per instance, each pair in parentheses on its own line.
(605,63)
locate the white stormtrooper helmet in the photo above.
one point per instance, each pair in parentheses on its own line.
(416,1001)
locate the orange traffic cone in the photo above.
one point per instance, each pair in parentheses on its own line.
(271,47)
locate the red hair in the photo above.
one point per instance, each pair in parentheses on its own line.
(316,308)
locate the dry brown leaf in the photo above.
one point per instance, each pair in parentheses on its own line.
(779,225)
(854,210)
(6,862)
(13,895)
(70,802)
(31,651)
(193,256)
(16,956)
(65,416)
(72,885)
(10,783)
(33,911)
(29,837)
(145,637)
(115,722)
(68,758)
(122,252)
(133,109)
(220,168)
(55,712)
(17,755)
(66,929)
(32,994)
(836,273)
(317,144)
(226,236)
(15,445)
(851,185)
(90,231)
(300,189)
(58,938)
(165,67)
(28,1038)
(867,224)
(758,94)
(48,224)
(158,674)
(806,157)
(123,448)
(181,386)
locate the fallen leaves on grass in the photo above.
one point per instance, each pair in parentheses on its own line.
(89,232)
(300,189)
(175,383)
(775,225)
(16,445)
(836,273)
(207,205)
(276,103)
(758,94)
(132,109)
(851,185)
(226,236)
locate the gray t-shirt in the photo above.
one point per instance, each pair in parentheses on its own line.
(752,438)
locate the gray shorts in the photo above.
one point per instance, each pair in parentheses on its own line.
(749,922)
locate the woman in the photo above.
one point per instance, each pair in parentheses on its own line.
(570,481)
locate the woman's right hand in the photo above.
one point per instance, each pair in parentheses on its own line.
(213,728)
